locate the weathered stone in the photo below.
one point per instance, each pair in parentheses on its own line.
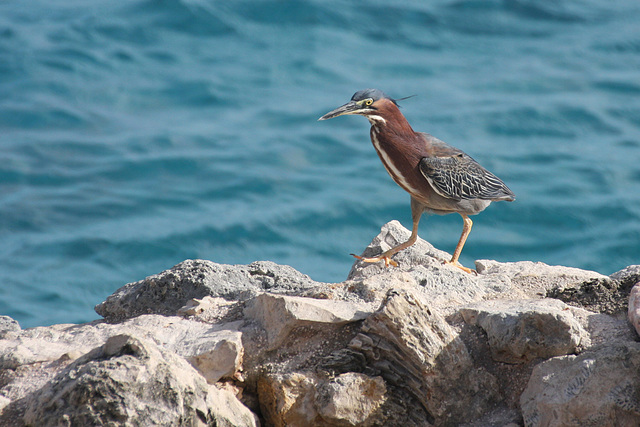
(306,399)
(167,292)
(215,350)
(128,381)
(634,307)
(351,399)
(522,330)
(600,387)
(411,345)
(212,310)
(389,346)
(280,315)
(628,276)
(218,356)
(392,234)
(537,278)
(7,326)
(289,399)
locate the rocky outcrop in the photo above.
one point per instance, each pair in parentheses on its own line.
(423,344)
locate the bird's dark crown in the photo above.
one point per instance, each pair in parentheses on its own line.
(374,94)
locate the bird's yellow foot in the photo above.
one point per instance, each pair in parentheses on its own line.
(387,259)
(461,267)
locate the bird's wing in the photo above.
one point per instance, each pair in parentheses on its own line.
(460,177)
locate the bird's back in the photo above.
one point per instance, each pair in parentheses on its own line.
(455,175)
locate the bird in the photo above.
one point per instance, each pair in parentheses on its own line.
(440,178)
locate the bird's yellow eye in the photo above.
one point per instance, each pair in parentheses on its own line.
(368,102)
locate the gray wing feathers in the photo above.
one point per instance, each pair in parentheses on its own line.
(460,177)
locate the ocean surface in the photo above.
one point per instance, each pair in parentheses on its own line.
(137,134)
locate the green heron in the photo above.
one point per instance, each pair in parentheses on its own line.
(441,179)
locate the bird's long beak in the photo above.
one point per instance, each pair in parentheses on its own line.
(350,107)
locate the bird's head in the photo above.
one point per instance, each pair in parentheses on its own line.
(366,102)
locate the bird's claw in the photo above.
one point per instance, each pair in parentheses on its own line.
(461,267)
(387,259)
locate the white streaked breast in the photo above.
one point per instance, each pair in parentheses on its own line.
(376,120)
(390,167)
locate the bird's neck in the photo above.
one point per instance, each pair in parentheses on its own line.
(390,120)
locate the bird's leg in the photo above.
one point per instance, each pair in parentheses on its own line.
(416,213)
(466,229)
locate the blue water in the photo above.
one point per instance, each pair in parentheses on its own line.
(136,134)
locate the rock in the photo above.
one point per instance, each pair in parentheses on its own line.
(280,315)
(212,310)
(449,287)
(634,307)
(7,326)
(215,350)
(598,295)
(4,402)
(128,381)
(412,347)
(219,356)
(288,399)
(351,399)
(628,276)
(598,387)
(392,234)
(537,278)
(522,330)
(306,399)
(167,292)
(389,346)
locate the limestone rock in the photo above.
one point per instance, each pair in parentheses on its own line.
(634,307)
(128,381)
(420,266)
(537,278)
(7,326)
(351,399)
(388,346)
(522,330)
(289,399)
(215,350)
(212,310)
(628,276)
(280,314)
(449,287)
(307,399)
(412,347)
(392,234)
(599,387)
(166,292)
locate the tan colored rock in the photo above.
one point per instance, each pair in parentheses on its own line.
(220,356)
(599,387)
(522,330)
(351,399)
(306,399)
(289,399)
(279,315)
(413,347)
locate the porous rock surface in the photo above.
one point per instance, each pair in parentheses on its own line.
(423,344)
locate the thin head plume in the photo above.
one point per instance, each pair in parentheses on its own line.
(406,97)
(395,101)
